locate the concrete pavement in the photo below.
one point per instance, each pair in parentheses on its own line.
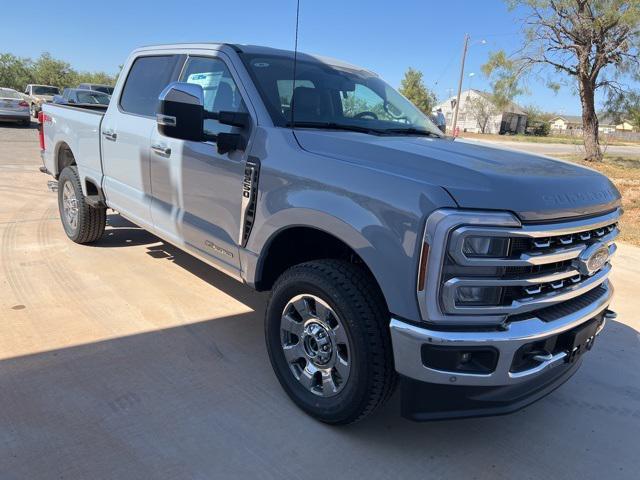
(131,359)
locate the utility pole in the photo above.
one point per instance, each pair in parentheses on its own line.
(464,56)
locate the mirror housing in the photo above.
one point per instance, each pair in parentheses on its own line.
(181,111)
(181,115)
(228,142)
(235,119)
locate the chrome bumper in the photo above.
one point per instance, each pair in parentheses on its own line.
(407,340)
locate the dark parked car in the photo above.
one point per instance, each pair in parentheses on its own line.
(85,97)
(97,87)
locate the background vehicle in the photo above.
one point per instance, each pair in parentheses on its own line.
(108,89)
(39,95)
(13,107)
(480,275)
(77,95)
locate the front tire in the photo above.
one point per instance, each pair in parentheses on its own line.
(328,340)
(82,223)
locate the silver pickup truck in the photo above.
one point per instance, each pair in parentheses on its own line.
(475,276)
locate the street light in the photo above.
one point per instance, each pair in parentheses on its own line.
(464,56)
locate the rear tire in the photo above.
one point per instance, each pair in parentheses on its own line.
(348,378)
(82,223)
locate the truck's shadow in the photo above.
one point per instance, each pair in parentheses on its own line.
(200,400)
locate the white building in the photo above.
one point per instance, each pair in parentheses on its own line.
(513,119)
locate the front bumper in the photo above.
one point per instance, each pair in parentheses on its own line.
(408,340)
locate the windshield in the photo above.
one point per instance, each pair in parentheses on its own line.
(93,97)
(332,96)
(101,88)
(42,90)
(9,94)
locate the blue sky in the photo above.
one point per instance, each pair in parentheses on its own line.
(386,37)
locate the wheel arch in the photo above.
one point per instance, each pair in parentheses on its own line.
(63,157)
(337,239)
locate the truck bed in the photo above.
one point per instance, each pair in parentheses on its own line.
(78,127)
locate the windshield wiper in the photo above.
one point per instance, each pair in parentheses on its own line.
(335,126)
(412,131)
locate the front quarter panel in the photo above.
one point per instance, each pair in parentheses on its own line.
(379,215)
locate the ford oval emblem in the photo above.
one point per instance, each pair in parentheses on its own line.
(593,259)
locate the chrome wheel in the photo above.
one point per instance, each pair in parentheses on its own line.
(315,345)
(70,205)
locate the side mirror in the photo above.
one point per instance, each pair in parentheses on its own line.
(71,100)
(228,142)
(235,119)
(181,111)
(181,115)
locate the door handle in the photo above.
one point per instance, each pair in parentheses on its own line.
(161,150)
(110,135)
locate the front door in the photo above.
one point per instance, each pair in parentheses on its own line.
(197,192)
(126,130)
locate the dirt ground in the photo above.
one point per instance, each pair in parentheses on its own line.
(132,360)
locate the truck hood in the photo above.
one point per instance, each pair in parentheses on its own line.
(534,187)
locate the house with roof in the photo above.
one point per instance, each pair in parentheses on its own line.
(569,124)
(487,119)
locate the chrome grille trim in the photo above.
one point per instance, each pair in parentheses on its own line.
(549,244)
(542,257)
(527,304)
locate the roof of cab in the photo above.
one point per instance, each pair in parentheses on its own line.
(254,50)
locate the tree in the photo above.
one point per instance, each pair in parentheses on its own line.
(593,42)
(50,71)
(482,109)
(415,90)
(537,120)
(15,72)
(624,106)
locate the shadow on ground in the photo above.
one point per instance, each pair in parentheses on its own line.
(200,401)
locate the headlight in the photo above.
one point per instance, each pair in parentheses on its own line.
(493,247)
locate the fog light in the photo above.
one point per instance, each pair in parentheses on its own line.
(493,247)
(459,359)
(477,296)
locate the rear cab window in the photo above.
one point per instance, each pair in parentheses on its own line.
(147,77)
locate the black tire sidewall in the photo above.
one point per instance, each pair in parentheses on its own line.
(345,405)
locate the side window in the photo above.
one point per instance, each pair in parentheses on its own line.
(147,77)
(220,91)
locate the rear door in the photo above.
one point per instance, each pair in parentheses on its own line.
(197,192)
(126,130)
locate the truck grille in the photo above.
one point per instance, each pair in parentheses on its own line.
(544,266)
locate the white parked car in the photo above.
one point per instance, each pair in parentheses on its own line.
(13,107)
(39,94)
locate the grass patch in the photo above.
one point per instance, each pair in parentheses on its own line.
(565,140)
(624,172)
